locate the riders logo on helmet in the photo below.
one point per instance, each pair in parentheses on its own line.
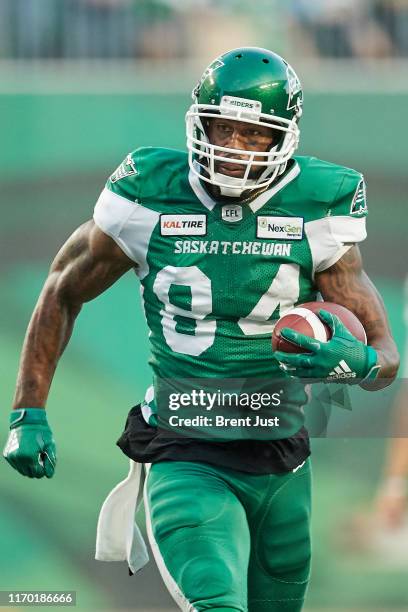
(295,88)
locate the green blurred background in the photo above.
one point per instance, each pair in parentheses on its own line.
(66,123)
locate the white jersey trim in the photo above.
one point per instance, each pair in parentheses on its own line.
(257,203)
(261,200)
(129,224)
(327,238)
(200,192)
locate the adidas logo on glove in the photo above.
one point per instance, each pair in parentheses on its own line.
(341,371)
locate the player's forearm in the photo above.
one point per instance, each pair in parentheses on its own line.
(47,335)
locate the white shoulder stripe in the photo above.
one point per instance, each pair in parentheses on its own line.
(129,224)
(112,211)
(327,236)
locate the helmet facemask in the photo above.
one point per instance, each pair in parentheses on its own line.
(203,154)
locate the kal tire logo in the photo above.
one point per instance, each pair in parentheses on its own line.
(183,225)
(280,228)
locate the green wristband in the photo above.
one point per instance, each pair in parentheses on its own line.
(28,416)
(373,368)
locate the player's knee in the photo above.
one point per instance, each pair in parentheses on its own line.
(285,550)
(286,553)
(207,572)
(289,563)
(211,584)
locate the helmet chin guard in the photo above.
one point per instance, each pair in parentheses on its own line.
(235,189)
(249,85)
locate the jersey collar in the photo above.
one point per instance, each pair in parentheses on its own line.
(201,193)
(257,203)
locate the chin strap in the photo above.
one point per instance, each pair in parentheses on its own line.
(235,190)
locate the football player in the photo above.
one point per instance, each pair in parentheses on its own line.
(224,240)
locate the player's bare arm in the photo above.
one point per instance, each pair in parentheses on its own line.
(87,264)
(347,284)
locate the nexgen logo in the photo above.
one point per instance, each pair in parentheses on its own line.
(290,229)
(280,228)
(183,225)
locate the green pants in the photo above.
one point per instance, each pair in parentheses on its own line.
(227,540)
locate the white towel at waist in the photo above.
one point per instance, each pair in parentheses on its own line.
(118,538)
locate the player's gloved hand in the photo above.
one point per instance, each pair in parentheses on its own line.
(30,447)
(342,359)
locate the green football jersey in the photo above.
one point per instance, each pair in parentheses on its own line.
(216,276)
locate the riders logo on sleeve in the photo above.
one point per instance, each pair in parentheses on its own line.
(126,168)
(359,203)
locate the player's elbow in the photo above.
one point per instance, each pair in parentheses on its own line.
(390,363)
(60,294)
(393,362)
(394,365)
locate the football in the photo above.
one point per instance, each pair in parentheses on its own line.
(305,320)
